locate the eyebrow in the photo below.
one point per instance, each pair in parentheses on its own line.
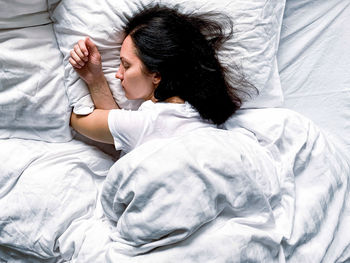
(124,60)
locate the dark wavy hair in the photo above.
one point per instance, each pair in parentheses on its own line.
(183,50)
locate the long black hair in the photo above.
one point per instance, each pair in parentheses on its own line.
(183,50)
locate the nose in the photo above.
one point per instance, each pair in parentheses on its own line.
(119,74)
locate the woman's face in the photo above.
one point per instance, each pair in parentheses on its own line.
(136,83)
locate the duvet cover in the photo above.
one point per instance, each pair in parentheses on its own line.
(255,191)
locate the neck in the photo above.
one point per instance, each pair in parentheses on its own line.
(175,99)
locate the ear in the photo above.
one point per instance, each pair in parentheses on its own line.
(156,79)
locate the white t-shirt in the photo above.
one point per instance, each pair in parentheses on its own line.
(152,120)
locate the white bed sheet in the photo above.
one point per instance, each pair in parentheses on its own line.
(314,59)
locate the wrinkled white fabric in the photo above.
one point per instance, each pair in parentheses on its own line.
(186,182)
(321,183)
(276,188)
(33,102)
(314,59)
(46,190)
(270,188)
(20,13)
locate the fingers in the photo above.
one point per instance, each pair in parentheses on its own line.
(84,51)
(74,63)
(90,45)
(79,54)
(83,48)
(75,60)
(80,50)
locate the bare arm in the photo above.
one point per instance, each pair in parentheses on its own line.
(86,60)
(93,126)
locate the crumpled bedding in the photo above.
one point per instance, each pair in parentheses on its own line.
(46,190)
(260,192)
(320,169)
(270,188)
(162,196)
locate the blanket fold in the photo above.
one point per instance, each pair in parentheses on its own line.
(162,196)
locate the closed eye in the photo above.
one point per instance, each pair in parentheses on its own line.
(125,64)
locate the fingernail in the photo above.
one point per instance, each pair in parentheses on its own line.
(86,53)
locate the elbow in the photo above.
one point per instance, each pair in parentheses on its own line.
(73,120)
(93,125)
(76,122)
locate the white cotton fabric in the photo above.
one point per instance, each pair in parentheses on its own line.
(21,13)
(314,59)
(185,183)
(270,188)
(257,26)
(33,101)
(264,191)
(48,191)
(152,120)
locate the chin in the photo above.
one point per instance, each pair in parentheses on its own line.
(127,96)
(131,97)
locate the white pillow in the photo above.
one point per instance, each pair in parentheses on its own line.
(33,102)
(254,47)
(23,13)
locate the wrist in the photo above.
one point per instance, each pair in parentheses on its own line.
(101,94)
(96,81)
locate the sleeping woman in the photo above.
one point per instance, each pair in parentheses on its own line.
(169,60)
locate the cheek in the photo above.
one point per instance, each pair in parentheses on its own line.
(137,85)
(131,86)
(137,81)
(131,82)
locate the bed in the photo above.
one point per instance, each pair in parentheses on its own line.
(271,185)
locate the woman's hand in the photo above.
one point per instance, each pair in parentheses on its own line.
(86,60)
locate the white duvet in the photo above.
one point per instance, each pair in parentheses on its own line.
(46,190)
(270,188)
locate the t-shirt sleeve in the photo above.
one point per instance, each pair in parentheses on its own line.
(128,127)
